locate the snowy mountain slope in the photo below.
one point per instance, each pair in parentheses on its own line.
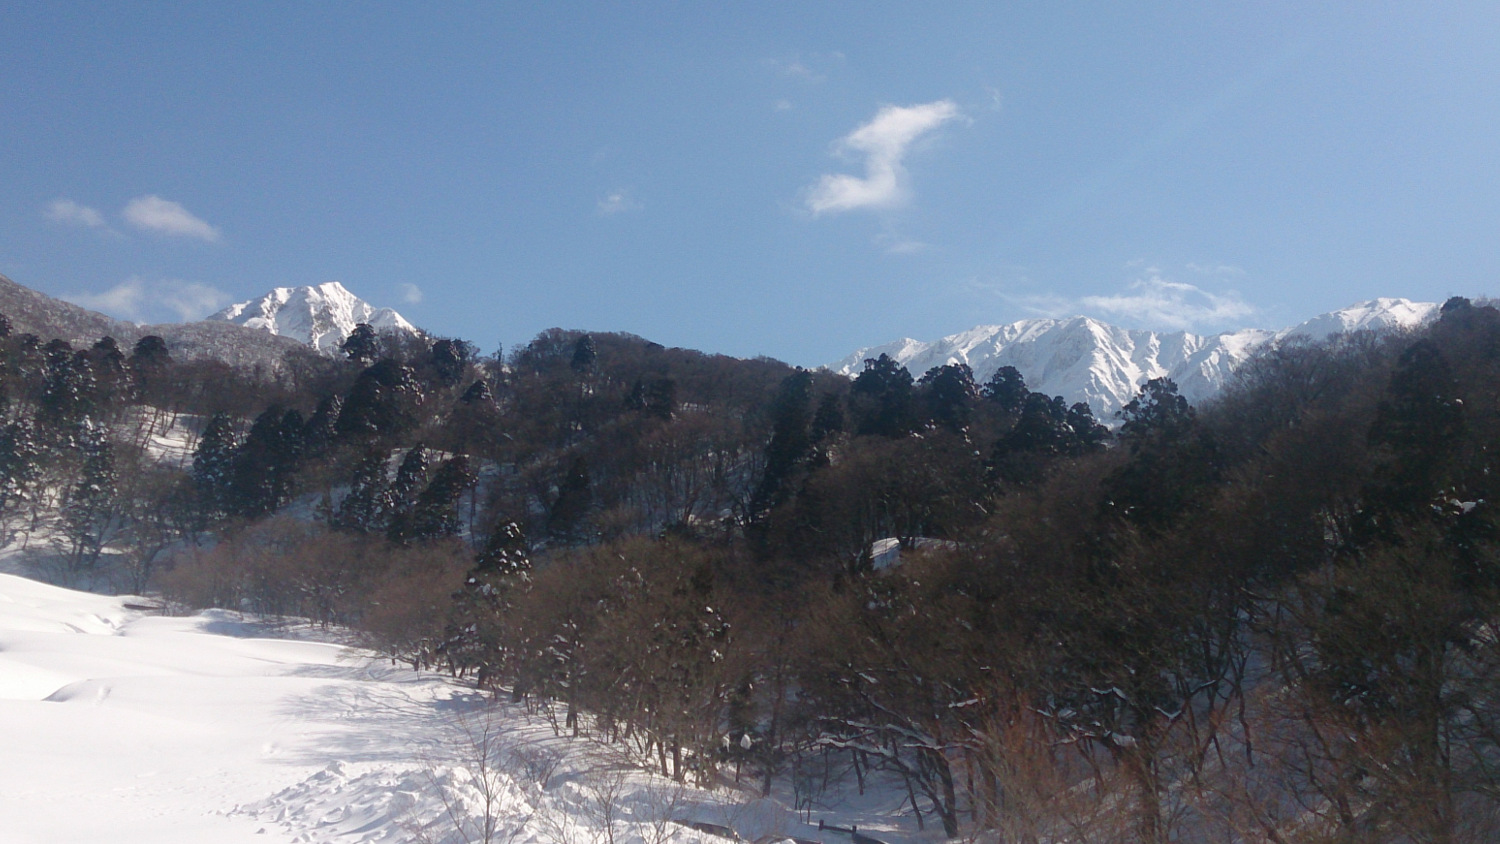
(1083,359)
(320,316)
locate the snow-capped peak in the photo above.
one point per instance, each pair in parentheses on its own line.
(1083,359)
(320,316)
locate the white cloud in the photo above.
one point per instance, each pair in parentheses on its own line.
(165,300)
(68,212)
(1158,303)
(782,105)
(617,202)
(152,213)
(411,294)
(884,142)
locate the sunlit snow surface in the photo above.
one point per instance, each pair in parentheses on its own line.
(120,725)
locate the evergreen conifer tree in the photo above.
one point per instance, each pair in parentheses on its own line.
(790,446)
(574,498)
(213,467)
(19,469)
(584,354)
(1006,388)
(882,399)
(88,511)
(948,392)
(362,346)
(435,513)
(450,360)
(265,465)
(361,509)
(504,553)
(411,477)
(321,429)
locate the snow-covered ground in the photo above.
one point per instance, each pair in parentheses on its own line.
(121,725)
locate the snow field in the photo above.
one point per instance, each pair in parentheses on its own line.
(122,726)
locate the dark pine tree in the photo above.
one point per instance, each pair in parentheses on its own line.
(361,509)
(381,402)
(1172,459)
(322,428)
(88,510)
(1006,388)
(827,425)
(213,467)
(790,445)
(584,354)
(411,476)
(1157,412)
(477,393)
(19,466)
(1418,427)
(505,553)
(882,399)
(1089,434)
(362,346)
(566,518)
(948,393)
(266,463)
(435,513)
(450,360)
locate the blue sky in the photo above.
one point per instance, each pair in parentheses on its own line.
(789,179)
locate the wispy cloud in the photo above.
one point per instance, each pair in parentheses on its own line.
(411,294)
(1224,270)
(164,300)
(163,216)
(884,142)
(804,69)
(895,244)
(70,213)
(617,202)
(1154,302)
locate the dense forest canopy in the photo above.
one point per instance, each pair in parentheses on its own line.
(1268,618)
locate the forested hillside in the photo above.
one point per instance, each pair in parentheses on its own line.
(1271,618)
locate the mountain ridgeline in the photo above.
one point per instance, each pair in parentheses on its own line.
(1266,617)
(1087,360)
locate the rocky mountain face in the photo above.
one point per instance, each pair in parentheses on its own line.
(320,316)
(1083,359)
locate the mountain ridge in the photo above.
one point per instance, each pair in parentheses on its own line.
(1085,359)
(33,312)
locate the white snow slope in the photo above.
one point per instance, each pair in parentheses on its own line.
(1083,359)
(119,725)
(320,316)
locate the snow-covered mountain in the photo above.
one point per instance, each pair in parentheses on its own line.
(320,316)
(1083,359)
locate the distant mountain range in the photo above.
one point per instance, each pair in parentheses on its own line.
(1083,359)
(1079,358)
(320,316)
